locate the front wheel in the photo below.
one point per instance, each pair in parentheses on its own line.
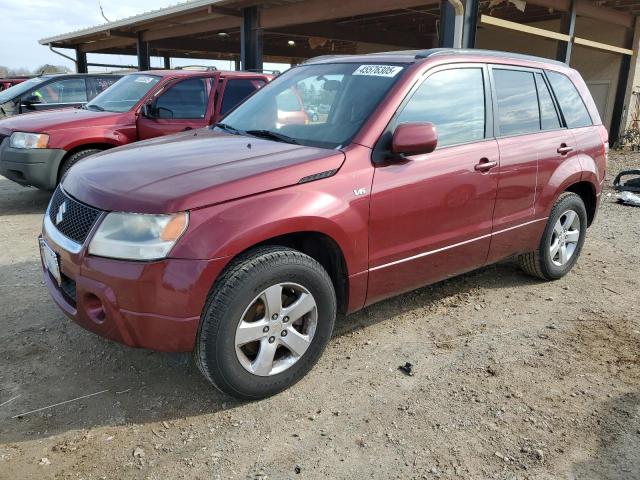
(266,322)
(561,241)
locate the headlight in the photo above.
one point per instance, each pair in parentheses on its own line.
(29,140)
(136,236)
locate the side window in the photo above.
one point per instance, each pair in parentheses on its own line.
(517,102)
(453,100)
(100,84)
(70,90)
(573,109)
(184,100)
(548,114)
(236,91)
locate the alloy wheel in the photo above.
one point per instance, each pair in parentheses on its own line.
(276,329)
(565,237)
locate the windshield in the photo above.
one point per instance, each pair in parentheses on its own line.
(17,90)
(316,105)
(124,94)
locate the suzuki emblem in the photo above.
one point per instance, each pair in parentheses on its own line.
(61,211)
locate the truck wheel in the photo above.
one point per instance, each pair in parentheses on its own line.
(266,322)
(561,241)
(71,160)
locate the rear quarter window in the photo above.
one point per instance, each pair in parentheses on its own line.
(573,108)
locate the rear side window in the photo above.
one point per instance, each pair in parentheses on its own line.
(236,91)
(185,100)
(100,84)
(573,108)
(549,119)
(517,102)
(453,100)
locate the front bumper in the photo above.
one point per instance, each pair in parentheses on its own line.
(155,305)
(37,167)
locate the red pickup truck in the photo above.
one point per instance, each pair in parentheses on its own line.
(37,149)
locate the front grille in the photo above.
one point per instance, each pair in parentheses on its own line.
(75,219)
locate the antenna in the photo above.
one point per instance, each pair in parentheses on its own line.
(102,11)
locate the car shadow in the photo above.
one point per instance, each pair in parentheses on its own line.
(18,200)
(617,455)
(47,359)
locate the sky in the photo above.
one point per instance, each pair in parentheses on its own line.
(24,22)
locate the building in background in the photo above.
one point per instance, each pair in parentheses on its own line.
(598,38)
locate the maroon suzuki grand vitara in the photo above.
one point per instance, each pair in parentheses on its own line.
(242,241)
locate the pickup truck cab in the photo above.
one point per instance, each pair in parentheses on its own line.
(38,149)
(241,242)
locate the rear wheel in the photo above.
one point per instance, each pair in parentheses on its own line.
(71,160)
(266,322)
(561,241)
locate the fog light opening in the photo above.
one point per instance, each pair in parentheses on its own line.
(94,308)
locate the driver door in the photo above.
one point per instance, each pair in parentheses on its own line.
(184,105)
(431,215)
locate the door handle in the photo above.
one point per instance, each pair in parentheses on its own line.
(564,149)
(485,165)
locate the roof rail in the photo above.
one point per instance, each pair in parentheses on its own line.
(263,70)
(432,52)
(198,68)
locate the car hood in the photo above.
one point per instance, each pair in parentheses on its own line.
(192,170)
(51,120)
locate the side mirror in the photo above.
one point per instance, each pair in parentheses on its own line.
(31,100)
(145,111)
(414,139)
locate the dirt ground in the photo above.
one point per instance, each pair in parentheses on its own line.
(513,379)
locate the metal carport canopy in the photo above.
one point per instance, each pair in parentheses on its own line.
(193,29)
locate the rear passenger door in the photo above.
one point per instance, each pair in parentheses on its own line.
(183,105)
(430,217)
(233,91)
(532,143)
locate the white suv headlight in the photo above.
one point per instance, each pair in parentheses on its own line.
(136,236)
(28,140)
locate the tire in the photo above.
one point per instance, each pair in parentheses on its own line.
(71,160)
(541,263)
(239,294)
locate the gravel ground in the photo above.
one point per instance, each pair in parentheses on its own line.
(512,379)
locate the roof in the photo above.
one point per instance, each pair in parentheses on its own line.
(180,8)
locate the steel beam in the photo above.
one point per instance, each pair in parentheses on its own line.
(167,62)
(81,62)
(447,25)
(568,27)
(144,61)
(470,23)
(251,41)
(621,92)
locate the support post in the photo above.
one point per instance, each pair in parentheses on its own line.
(251,39)
(451,24)
(167,62)
(144,61)
(81,61)
(568,27)
(633,79)
(470,23)
(624,89)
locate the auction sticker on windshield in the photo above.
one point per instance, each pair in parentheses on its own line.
(378,70)
(145,79)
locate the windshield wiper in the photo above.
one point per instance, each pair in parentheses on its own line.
(227,128)
(97,107)
(278,137)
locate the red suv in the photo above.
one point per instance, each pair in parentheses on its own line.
(241,242)
(39,149)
